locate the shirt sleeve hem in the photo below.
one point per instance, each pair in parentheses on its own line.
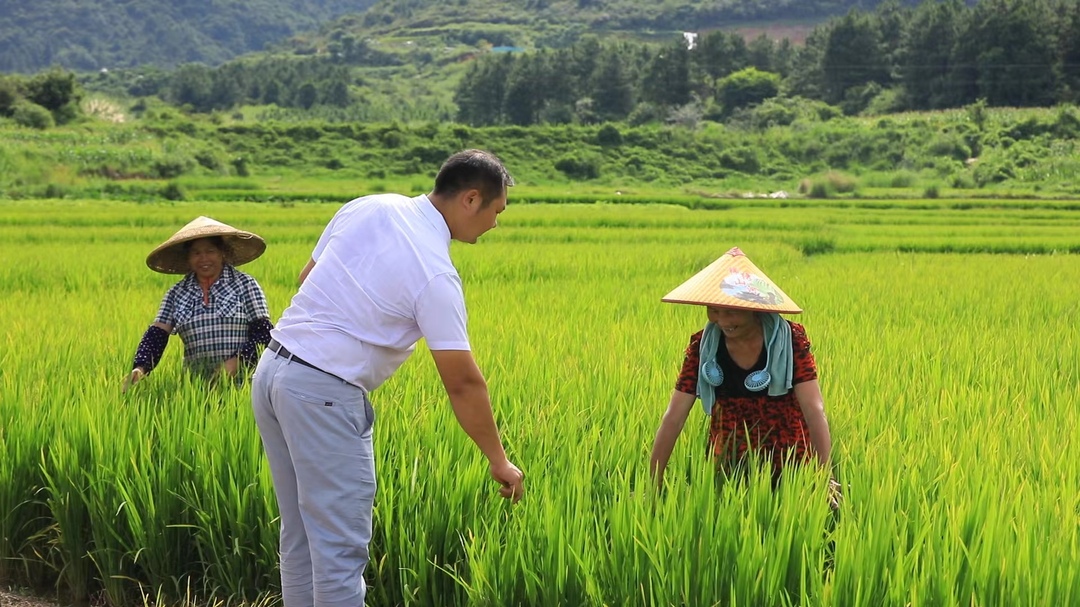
(449,345)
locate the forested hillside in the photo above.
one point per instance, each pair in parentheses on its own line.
(95,34)
(894,58)
(936,55)
(628,15)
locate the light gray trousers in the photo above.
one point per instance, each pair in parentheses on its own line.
(316,431)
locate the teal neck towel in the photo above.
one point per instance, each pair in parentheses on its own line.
(780,358)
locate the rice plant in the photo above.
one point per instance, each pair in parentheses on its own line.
(945,342)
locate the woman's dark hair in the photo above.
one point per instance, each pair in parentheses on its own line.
(473,169)
(217,241)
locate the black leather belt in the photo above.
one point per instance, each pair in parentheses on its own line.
(275,346)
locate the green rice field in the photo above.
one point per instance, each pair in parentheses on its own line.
(946,341)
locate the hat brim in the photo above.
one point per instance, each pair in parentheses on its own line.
(789,309)
(733,281)
(171,258)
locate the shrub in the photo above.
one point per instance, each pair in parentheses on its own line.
(949,146)
(742,159)
(173,191)
(171,166)
(746,87)
(688,115)
(208,160)
(826,112)
(1066,124)
(609,135)
(858,98)
(774,112)
(32,115)
(54,191)
(962,181)
(579,167)
(556,113)
(888,101)
(989,171)
(58,92)
(9,95)
(840,182)
(902,179)
(240,165)
(828,184)
(645,113)
(392,138)
(814,188)
(430,153)
(818,189)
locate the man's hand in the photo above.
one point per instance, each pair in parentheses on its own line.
(511,479)
(131,379)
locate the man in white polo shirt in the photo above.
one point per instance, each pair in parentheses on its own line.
(379,279)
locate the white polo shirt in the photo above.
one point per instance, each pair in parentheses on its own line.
(382,279)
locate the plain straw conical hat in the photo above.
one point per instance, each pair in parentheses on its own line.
(733,281)
(170,257)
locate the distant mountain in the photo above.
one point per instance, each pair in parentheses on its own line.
(95,34)
(513,24)
(621,15)
(89,35)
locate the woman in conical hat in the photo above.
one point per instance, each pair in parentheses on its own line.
(219,312)
(752,369)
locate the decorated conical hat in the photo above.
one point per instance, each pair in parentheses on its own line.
(733,281)
(170,258)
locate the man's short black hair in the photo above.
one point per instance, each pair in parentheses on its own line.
(473,169)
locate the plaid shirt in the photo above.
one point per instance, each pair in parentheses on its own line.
(212,333)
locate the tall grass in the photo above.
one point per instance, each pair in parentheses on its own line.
(949,379)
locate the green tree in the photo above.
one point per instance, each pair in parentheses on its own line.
(32,115)
(581,64)
(853,56)
(784,57)
(1016,56)
(925,55)
(613,92)
(746,87)
(524,94)
(190,85)
(9,95)
(667,81)
(337,94)
(559,86)
(807,77)
(306,95)
(56,90)
(90,34)
(760,53)
(892,18)
(271,93)
(720,53)
(480,93)
(224,91)
(1069,36)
